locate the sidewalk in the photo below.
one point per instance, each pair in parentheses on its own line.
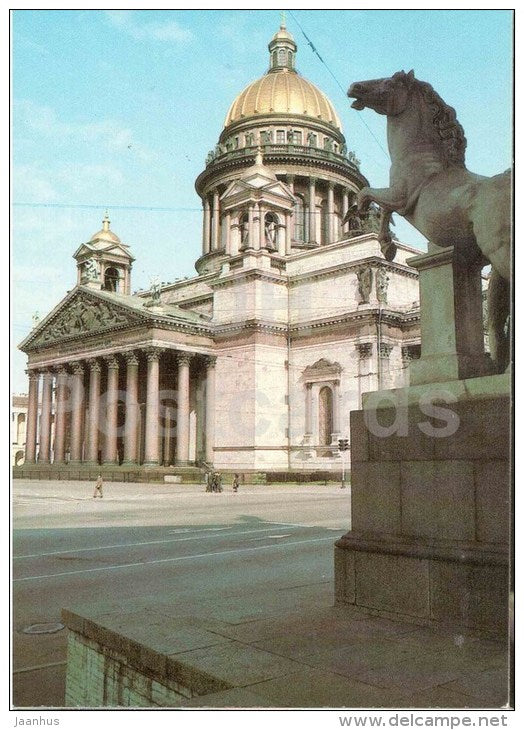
(250,652)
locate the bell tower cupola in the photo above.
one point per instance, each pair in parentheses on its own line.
(282,49)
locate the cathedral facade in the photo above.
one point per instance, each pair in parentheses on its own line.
(254,364)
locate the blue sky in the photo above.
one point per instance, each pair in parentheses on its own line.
(118,109)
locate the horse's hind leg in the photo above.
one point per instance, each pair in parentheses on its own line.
(498,312)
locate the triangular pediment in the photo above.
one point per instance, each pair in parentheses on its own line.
(105,247)
(82,313)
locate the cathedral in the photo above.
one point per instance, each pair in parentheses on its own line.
(254,364)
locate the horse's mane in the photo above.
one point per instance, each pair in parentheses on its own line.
(448,128)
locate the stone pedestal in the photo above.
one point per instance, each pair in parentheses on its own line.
(430,512)
(430,481)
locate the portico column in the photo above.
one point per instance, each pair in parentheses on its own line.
(312,211)
(330,213)
(234,239)
(110,455)
(227,239)
(261,227)
(289,225)
(256,227)
(32,417)
(45,417)
(216,220)
(210,408)
(345,208)
(77,412)
(151,451)
(95,370)
(60,414)
(251,227)
(206,236)
(132,410)
(182,418)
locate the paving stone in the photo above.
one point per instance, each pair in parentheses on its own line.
(315,688)
(490,686)
(440,697)
(237,664)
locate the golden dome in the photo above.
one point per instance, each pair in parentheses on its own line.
(105,234)
(282,92)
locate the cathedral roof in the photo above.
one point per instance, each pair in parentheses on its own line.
(282,90)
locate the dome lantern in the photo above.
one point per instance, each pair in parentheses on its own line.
(282,49)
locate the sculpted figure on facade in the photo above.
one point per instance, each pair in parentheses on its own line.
(353,219)
(250,139)
(381,284)
(365,282)
(91,271)
(311,139)
(434,191)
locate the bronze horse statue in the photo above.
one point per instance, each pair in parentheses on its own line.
(431,187)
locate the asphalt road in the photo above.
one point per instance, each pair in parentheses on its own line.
(143,542)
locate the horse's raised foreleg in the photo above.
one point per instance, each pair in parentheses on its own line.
(498,326)
(390,199)
(388,248)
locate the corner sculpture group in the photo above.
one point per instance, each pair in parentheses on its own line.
(431,187)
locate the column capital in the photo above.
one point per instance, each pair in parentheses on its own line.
(77,367)
(61,371)
(112,362)
(153,353)
(365,349)
(313,180)
(331,185)
(184,358)
(131,358)
(290,178)
(94,364)
(210,361)
(33,373)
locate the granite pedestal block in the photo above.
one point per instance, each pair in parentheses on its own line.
(430,508)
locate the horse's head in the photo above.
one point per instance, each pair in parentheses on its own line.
(385,96)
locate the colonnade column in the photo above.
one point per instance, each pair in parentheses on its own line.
(45,417)
(216,220)
(227,239)
(77,412)
(151,455)
(261,227)
(32,417)
(210,408)
(182,418)
(345,208)
(330,213)
(60,414)
(206,236)
(132,410)
(95,370)
(111,422)
(312,211)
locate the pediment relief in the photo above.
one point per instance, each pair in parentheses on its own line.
(82,316)
(322,369)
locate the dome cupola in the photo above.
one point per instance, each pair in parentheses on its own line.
(282,50)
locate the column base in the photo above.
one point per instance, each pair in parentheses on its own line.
(76,462)
(109,462)
(129,462)
(183,462)
(151,463)
(91,463)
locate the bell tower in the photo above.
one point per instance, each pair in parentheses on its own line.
(104,262)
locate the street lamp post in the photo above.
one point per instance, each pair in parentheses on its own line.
(343,446)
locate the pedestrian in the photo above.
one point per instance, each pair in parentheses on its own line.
(236,482)
(98,487)
(208,479)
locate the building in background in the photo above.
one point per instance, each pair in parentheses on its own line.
(254,364)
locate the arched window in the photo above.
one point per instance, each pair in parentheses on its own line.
(301,219)
(290,59)
(274,55)
(325,416)
(324,229)
(281,56)
(111,278)
(20,426)
(270,231)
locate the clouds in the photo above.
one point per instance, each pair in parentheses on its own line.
(167,31)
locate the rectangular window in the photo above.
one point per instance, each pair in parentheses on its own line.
(297,137)
(281,136)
